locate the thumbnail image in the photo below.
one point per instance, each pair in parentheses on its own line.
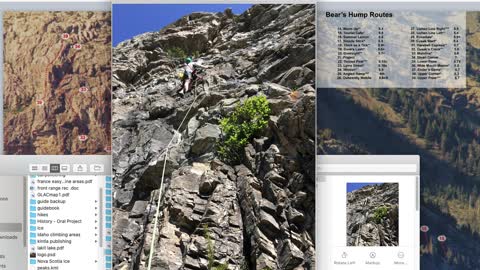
(57,83)
(372,214)
(214,127)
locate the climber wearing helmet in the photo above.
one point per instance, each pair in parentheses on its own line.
(189,73)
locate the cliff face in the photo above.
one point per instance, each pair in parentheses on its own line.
(56,86)
(372,216)
(255,215)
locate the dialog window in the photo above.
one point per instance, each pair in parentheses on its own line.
(367,212)
(55,155)
(56,212)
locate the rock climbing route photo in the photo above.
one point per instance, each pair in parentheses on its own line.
(57,82)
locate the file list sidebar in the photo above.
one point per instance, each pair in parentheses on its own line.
(13,241)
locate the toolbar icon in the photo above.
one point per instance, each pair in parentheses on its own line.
(79,168)
(54,168)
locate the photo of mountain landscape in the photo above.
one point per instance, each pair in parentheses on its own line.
(218,174)
(440,125)
(56,80)
(372,214)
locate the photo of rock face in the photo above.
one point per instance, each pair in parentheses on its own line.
(372,214)
(231,200)
(57,83)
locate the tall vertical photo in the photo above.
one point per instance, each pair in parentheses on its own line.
(213,136)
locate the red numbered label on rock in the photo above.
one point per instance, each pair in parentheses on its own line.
(83,138)
(442,238)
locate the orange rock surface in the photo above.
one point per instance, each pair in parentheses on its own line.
(57,96)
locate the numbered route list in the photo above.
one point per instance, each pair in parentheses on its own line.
(391,49)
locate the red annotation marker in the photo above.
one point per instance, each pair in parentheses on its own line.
(40,102)
(77,46)
(83,89)
(425,229)
(108,149)
(442,238)
(65,36)
(34,132)
(83,138)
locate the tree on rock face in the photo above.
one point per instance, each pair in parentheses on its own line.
(420,126)
(444,143)
(412,121)
(429,132)
(211,252)
(377,92)
(246,122)
(394,99)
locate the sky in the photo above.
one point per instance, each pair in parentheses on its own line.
(130,20)
(354,186)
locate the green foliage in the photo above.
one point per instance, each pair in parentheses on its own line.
(246,122)
(176,52)
(325,134)
(453,134)
(179,53)
(18,109)
(394,99)
(211,252)
(196,54)
(380,112)
(244,265)
(380,213)
(451,131)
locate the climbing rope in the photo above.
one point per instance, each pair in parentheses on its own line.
(177,134)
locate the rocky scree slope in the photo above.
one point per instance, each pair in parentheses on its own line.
(44,111)
(372,216)
(259,214)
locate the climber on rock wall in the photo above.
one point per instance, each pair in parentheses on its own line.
(189,73)
(260,213)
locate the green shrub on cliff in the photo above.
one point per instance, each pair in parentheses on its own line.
(211,251)
(177,52)
(380,213)
(247,121)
